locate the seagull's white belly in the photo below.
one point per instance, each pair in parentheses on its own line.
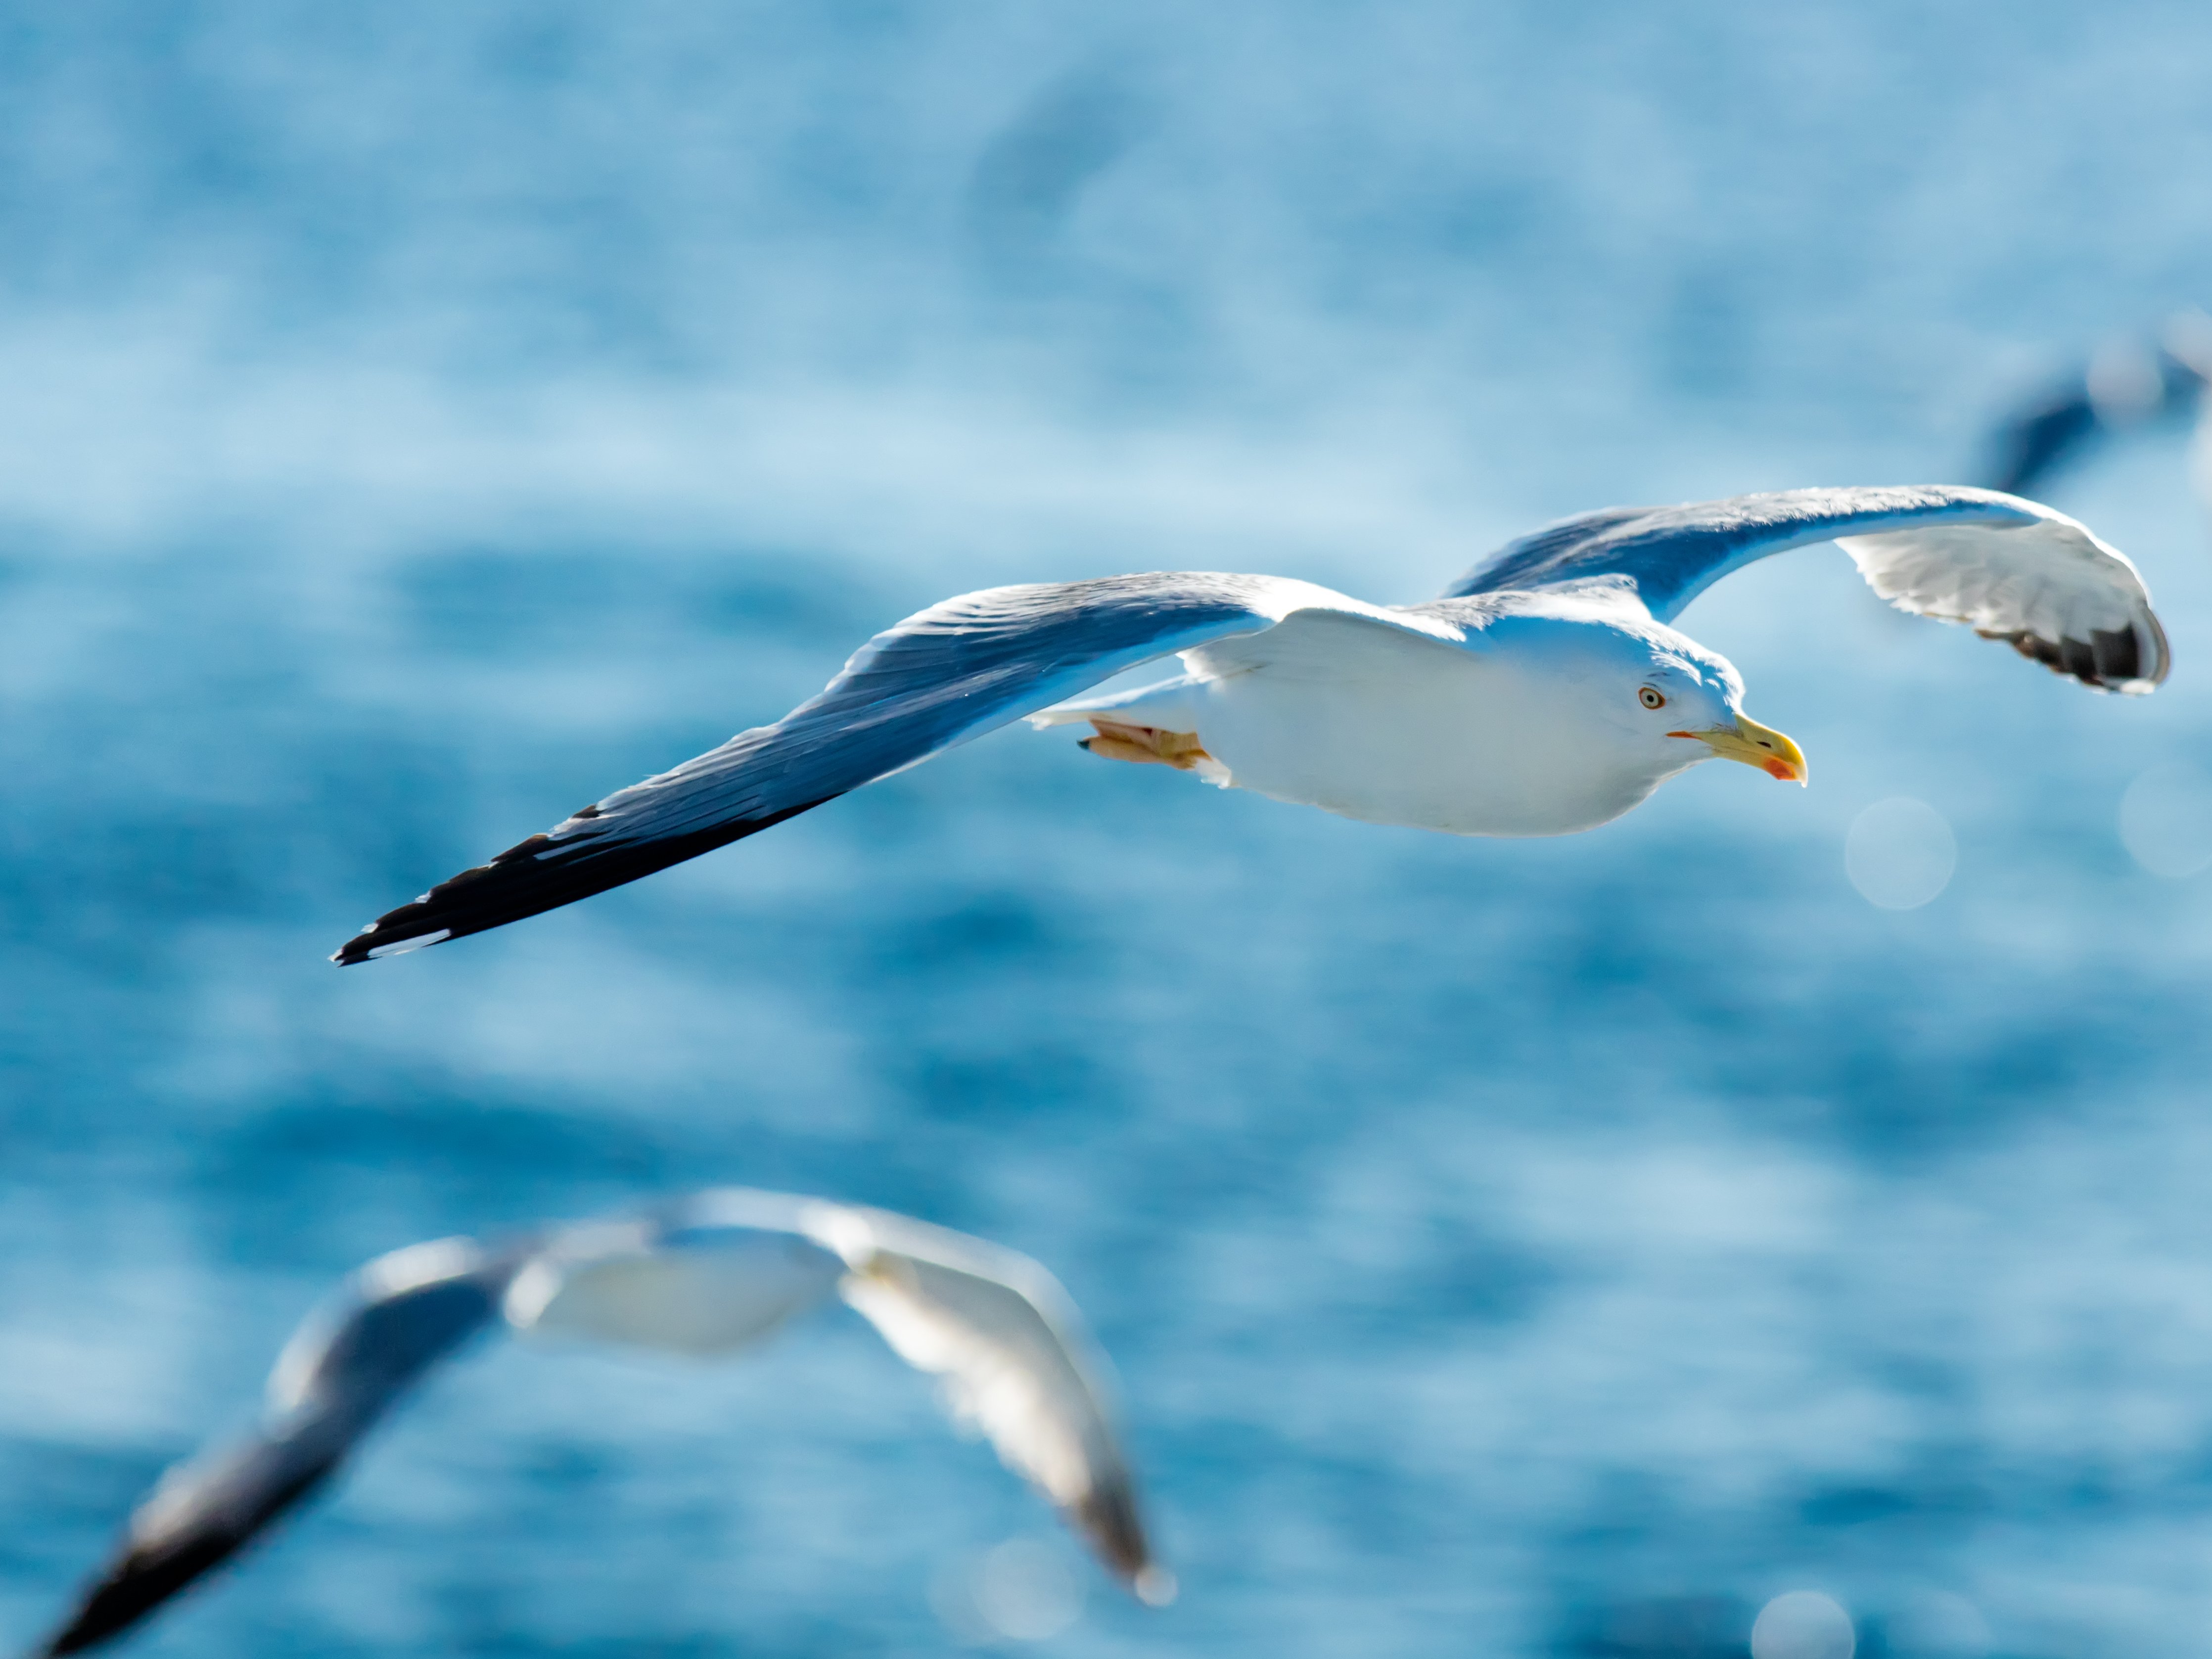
(1442,740)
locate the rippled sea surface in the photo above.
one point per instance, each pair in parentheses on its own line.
(418,421)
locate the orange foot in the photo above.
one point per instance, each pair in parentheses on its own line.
(1147,745)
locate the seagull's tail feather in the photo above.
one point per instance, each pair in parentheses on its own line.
(537,875)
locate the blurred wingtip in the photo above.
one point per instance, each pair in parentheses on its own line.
(104,1613)
(1107,1521)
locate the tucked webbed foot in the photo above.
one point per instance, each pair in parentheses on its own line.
(1148,745)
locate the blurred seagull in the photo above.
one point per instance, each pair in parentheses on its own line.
(2127,386)
(1542,694)
(709,1275)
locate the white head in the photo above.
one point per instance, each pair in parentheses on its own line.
(1687,694)
(1632,701)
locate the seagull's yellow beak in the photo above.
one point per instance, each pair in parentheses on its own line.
(1754,746)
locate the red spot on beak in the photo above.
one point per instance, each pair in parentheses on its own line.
(1780,769)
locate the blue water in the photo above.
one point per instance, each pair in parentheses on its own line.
(416,421)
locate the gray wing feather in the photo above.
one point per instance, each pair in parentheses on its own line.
(2010,569)
(940,677)
(1017,1363)
(723,1269)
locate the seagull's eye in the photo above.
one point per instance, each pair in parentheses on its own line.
(1652,698)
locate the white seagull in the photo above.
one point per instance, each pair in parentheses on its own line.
(1542,694)
(709,1275)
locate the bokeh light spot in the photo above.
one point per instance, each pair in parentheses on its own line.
(1899,853)
(1803,1625)
(2166,820)
(1024,1590)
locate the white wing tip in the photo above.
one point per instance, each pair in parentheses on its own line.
(400,947)
(1155,1586)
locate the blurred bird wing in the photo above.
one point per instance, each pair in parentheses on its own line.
(2124,385)
(348,1363)
(2011,570)
(2043,436)
(694,1281)
(391,1318)
(1017,1362)
(940,677)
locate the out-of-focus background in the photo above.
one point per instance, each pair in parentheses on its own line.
(416,420)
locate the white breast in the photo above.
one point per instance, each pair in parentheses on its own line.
(1393,729)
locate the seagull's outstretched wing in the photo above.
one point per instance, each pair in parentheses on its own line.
(1016,1363)
(952,673)
(396,1318)
(724,1268)
(2008,568)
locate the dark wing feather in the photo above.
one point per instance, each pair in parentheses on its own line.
(337,1378)
(220,1502)
(2011,570)
(951,673)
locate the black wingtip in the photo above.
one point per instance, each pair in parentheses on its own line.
(2107,660)
(535,876)
(463,904)
(135,1585)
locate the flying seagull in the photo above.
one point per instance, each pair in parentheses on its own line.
(707,1275)
(2126,385)
(1543,693)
